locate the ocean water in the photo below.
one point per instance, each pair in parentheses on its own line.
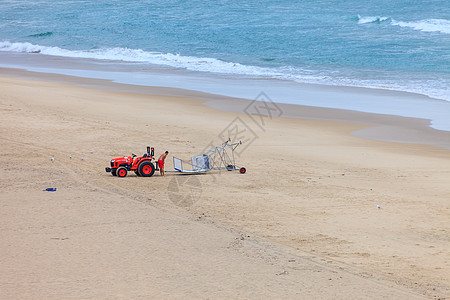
(392,45)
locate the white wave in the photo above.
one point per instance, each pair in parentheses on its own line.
(213,65)
(365,20)
(428,25)
(203,64)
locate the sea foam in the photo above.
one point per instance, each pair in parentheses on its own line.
(202,64)
(428,25)
(213,65)
(365,20)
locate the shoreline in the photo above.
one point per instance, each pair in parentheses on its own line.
(377,100)
(378,127)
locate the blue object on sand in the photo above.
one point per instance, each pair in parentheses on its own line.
(50,190)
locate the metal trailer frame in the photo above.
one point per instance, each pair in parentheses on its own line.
(217,158)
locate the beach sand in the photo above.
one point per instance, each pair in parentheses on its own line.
(323,211)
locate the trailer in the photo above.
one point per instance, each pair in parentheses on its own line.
(217,158)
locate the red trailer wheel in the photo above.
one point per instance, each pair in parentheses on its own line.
(242,170)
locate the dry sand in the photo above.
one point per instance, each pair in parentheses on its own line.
(302,223)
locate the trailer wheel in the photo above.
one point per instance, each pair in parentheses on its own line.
(121,172)
(146,169)
(242,170)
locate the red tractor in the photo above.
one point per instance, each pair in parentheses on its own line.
(142,166)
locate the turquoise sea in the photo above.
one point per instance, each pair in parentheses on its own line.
(214,45)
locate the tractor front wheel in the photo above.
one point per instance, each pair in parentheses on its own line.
(121,172)
(146,169)
(113,172)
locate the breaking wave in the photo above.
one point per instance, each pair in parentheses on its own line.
(365,20)
(203,64)
(192,63)
(427,25)
(213,65)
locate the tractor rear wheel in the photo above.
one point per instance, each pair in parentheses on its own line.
(146,169)
(121,172)
(137,173)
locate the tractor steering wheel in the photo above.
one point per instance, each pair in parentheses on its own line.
(134,155)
